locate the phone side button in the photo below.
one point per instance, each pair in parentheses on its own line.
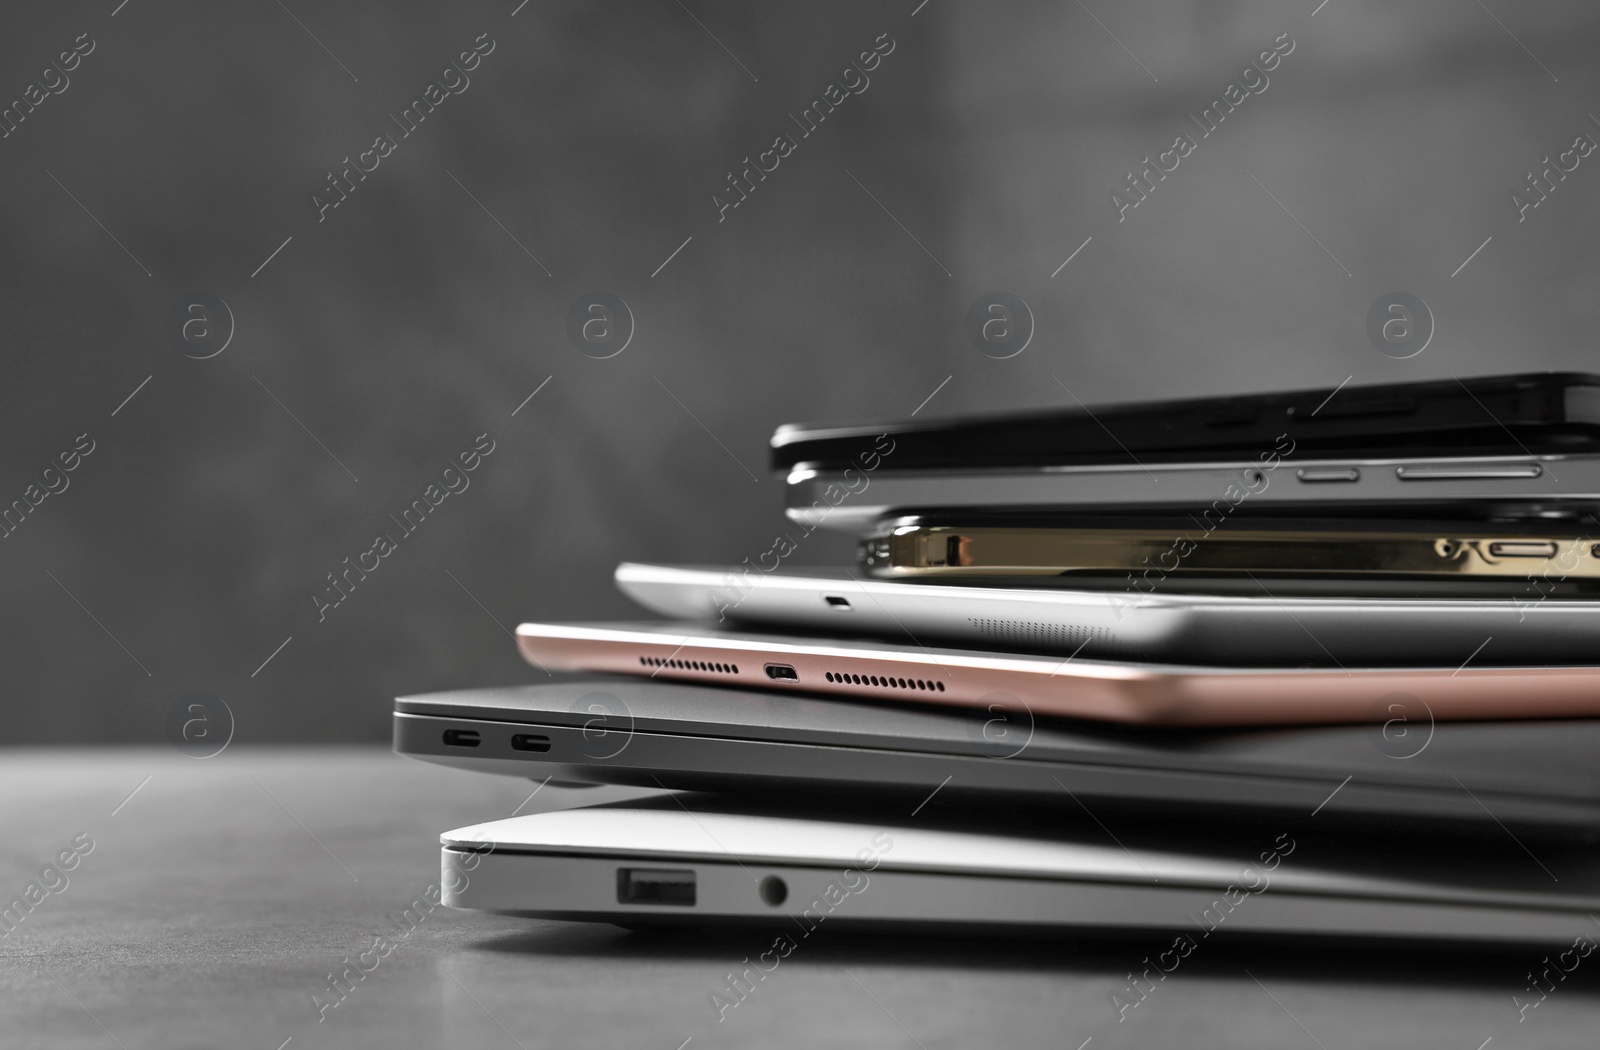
(1531,470)
(1317,476)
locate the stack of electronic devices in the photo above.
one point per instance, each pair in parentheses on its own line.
(1312,663)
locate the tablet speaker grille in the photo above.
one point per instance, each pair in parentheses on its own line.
(884,681)
(690,665)
(1028,632)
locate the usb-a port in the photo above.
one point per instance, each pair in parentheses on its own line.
(655,886)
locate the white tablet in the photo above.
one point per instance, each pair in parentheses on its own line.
(1242,630)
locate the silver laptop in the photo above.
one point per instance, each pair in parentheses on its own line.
(673,859)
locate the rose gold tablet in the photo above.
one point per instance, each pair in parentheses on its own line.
(1145,694)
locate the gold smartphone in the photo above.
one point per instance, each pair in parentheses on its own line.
(931,550)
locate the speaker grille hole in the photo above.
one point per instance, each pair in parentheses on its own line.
(708,666)
(1027,632)
(841,678)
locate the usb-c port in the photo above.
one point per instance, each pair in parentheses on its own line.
(462,737)
(530,742)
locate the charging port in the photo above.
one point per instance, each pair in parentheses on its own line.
(461,737)
(782,673)
(837,602)
(530,742)
(655,886)
(1522,549)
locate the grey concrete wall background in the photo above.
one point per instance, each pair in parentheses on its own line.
(1394,133)
(188,545)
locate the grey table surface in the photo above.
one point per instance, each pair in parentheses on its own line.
(218,897)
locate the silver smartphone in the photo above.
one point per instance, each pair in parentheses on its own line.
(688,861)
(1525,487)
(1203,629)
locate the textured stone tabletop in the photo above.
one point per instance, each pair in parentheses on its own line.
(208,901)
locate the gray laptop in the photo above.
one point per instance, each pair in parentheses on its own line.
(635,731)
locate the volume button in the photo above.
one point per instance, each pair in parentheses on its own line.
(1317,476)
(1531,470)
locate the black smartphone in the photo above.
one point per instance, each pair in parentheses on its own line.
(1540,413)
